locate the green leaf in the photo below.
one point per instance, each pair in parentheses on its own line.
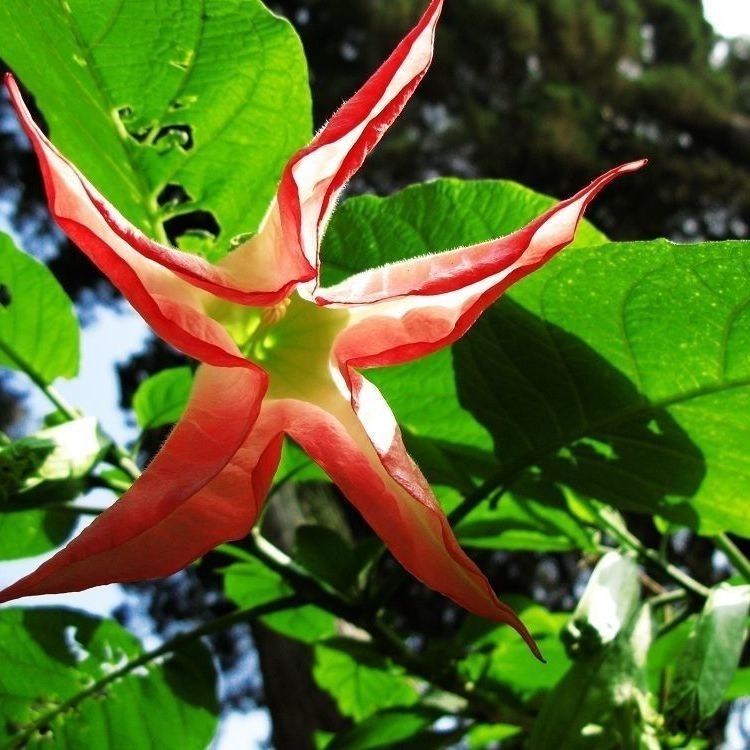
(620,371)
(710,656)
(386,730)
(38,329)
(53,660)
(482,736)
(601,703)
(44,469)
(32,532)
(250,583)
(498,660)
(360,680)
(739,687)
(534,517)
(184,106)
(161,399)
(665,650)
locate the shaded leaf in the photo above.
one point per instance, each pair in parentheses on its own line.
(393,728)
(708,661)
(602,701)
(46,468)
(327,555)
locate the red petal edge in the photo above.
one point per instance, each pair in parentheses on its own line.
(203,488)
(315,176)
(280,273)
(392,496)
(452,270)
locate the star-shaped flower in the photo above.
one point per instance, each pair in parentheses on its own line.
(283,356)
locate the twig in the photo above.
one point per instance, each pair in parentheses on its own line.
(618,530)
(735,555)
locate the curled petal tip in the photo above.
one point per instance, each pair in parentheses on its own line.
(634,166)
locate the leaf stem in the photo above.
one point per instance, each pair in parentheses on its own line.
(611,522)
(445,677)
(735,555)
(169,647)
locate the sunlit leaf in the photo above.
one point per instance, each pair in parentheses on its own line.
(187,109)
(38,330)
(162,398)
(53,660)
(31,532)
(497,659)
(360,680)
(250,583)
(367,231)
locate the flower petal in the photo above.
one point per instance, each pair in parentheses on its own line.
(390,492)
(203,488)
(440,273)
(315,176)
(269,278)
(406,310)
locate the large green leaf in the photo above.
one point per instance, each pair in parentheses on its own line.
(54,662)
(38,330)
(170,108)
(621,371)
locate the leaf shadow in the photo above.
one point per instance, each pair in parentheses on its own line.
(560,414)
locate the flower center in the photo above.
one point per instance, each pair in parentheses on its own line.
(292,340)
(273,315)
(260,340)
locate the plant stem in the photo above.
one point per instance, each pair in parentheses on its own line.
(611,523)
(169,647)
(735,555)
(445,677)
